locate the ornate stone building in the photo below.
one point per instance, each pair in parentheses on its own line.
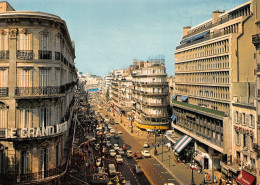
(37,84)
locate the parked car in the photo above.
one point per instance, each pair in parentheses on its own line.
(108,136)
(119,159)
(129,154)
(112,131)
(124,147)
(117,122)
(112,153)
(98,162)
(138,155)
(112,169)
(145,153)
(138,169)
(109,127)
(116,147)
(116,136)
(120,132)
(146,145)
(120,151)
(104,150)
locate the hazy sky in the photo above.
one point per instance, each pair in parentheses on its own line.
(108,34)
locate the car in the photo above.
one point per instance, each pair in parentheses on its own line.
(120,151)
(109,127)
(169,132)
(104,150)
(116,147)
(112,153)
(109,144)
(98,162)
(97,147)
(116,122)
(112,169)
(138,169)
(116,136)
(124,147)
(120,132)
(129,154)
(112,131)
(119,159)
(146,145)
(138,155)
(108,136)
(145,153)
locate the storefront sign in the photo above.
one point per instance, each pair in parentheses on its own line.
(36,132)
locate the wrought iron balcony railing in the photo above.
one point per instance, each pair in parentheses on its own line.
(4,91)
(24,54)
(57,55)
(31,91)
(4,54)
(43,54)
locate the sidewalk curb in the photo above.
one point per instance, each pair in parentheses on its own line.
(166,168)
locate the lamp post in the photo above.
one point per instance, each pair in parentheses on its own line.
(155,150)
(132,124)
(162,145)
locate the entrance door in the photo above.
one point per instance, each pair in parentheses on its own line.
(206,163)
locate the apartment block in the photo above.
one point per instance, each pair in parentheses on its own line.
(215,84)
(37,83)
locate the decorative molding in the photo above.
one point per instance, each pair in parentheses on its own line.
(24,31)
(44,32)
(13,33)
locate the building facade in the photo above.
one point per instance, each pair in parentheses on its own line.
(215,81)
(38,80)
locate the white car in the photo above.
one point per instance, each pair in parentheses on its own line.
(109,127)
(98,162)
(119,159)
(112,131)
(109,144)
(112,153)
(116,147)
(120,132)
(146,145)
(120,151)
(129,154)
(145,153)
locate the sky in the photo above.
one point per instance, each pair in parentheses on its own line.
(109,34)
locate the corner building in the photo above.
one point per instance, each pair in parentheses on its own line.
(215,85)
(37,84)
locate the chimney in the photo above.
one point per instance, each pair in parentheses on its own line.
(215,16)
(185,30)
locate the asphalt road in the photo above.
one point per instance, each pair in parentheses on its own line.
(154,171)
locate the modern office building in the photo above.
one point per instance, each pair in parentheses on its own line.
(37,84)
(215,85)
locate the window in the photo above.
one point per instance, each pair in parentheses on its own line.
(24,118)
(3,42)
(251,120)
(57,42)
(44,161)
(58,114)
(237,138)
(44,116)
(44,42)
(44,77)
(57,77)
(57,156)
(3,77)
(245,143)
(25,78)
(25,42)
(3,118)
(243,118)
(25,162)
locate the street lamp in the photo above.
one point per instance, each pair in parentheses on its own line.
(132,124)
(155,150)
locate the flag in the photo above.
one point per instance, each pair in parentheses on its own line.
(192,166)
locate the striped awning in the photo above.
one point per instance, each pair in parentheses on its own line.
(184,98)
(174,97)
(181,143)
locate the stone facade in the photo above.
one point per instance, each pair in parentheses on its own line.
(37,84)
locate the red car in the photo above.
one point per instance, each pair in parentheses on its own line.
(138,155)
(125,147)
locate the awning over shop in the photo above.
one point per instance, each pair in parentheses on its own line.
(198,158)
(173,118)
(184,98)
(245,178)
(181,143)
(174,97)
(170,139)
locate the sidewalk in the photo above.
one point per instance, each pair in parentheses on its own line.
(180,171)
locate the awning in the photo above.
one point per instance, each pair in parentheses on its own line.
(174,97)
(181,143)
(173,118)
(245,178)
(170,139)
(198,158)
(184,98)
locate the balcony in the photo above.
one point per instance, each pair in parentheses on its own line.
(256,40)
(24,54)
(38,91)
(4,91)
(43,54)
(149,104)
(154,83)
(156,93)
(4,54)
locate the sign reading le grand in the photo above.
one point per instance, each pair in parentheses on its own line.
(35,132)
